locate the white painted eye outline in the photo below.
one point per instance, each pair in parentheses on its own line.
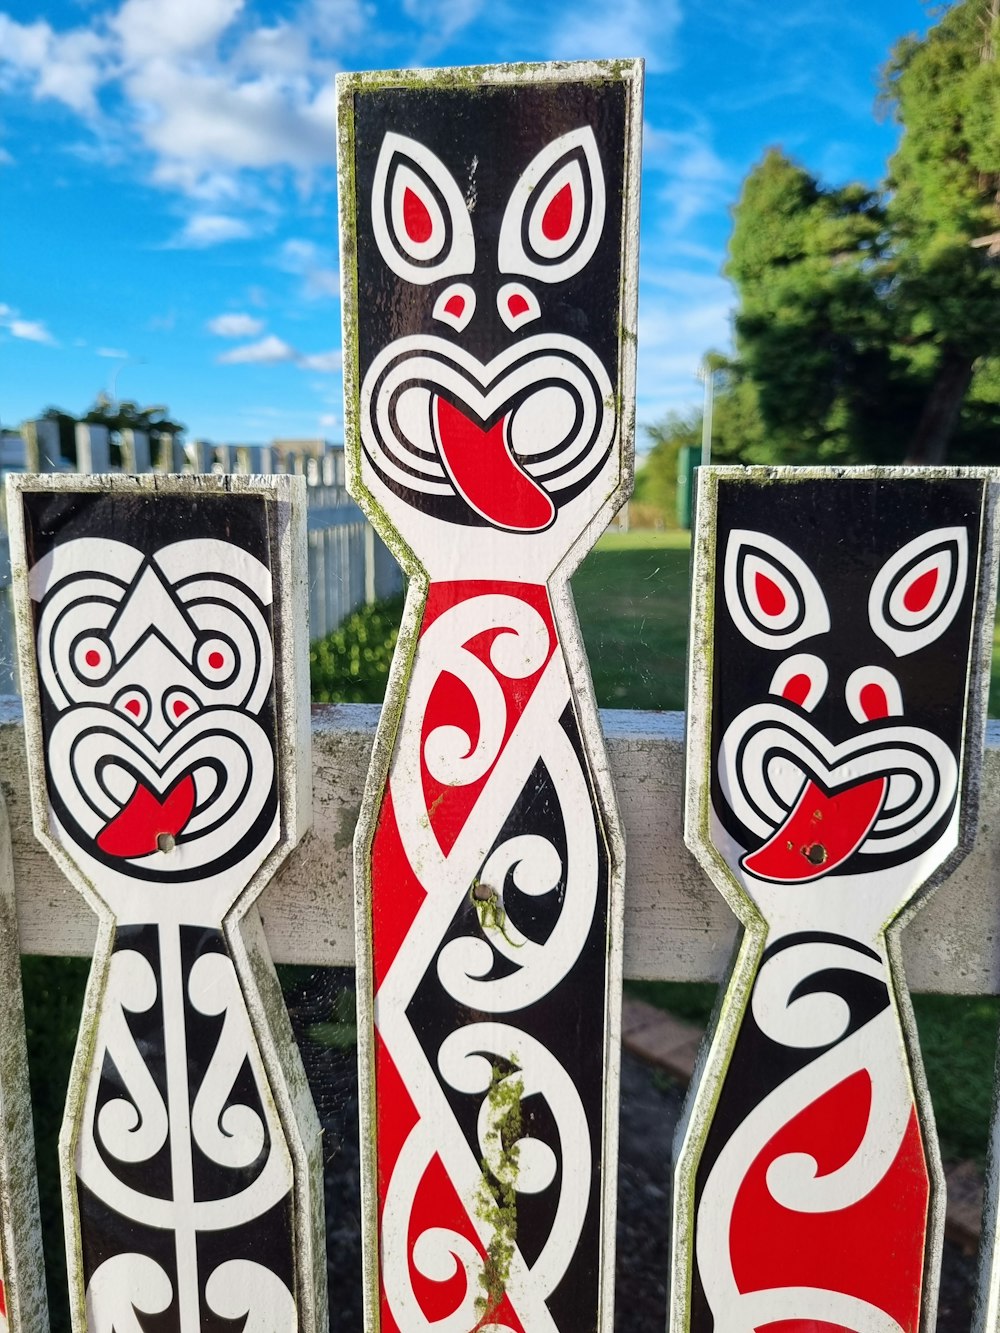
(916,594)
(134,703)
(786,680)
(178,706)
(771,593)
(92,658)
(217,660)
(555,215)
(873,678)
(456,305)
(517,305)
(419,217)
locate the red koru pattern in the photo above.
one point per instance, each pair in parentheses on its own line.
(489,912)
(836,748)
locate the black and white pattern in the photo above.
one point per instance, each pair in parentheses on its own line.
(827,773)
(518,252)
(156,688)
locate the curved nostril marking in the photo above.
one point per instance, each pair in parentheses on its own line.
(133,706)
(872,694)
(456,305)
(801,680)
(517,305)
(180,708)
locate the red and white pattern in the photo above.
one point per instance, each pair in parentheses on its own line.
(485,708)
(835,793)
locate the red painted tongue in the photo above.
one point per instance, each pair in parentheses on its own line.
(820,833)
(487,476)
(137,826)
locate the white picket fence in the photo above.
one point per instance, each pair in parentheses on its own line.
(349,565)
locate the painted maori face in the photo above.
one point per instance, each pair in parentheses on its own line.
(489,264)
(842,663)
(156,672)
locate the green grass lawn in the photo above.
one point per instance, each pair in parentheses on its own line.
(632,596)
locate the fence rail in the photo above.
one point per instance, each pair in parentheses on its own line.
(677,928)
(349,565)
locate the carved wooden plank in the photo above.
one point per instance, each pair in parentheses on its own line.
(840,658)
(160,634)
(23,1307)
(488,222)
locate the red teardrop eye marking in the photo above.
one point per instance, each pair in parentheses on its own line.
(133,705)
(216,661)
(797,689)
(517,305)
(558,214)
(769,595)
(874,702)
(416,218)
(921,590)
(180,707)
(93,658)
(455,306)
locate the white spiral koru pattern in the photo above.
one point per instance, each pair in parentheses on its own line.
(467,1057)
(135,1126)
(807,1020)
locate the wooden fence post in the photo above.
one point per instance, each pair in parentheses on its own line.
(163,665)
(22,1280)
(488,237)
(840,645)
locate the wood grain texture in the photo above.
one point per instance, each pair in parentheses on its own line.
(677,928)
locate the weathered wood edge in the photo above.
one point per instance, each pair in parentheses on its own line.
(20,1226)
(677,927)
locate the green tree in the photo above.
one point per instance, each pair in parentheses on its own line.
(656,478)
(944,211)
(126,415)
(868,321)
(814,361)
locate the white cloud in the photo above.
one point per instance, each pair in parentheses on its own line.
(113,353)
(442,19)
(151,28)
(269,351)
(68,67)
(211,229)
(30,330)
(696,179)
(6,160)
(218,119)
(314,265)
(597,30)
(235,326)
(327,362)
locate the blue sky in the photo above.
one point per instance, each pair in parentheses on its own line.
(168,192)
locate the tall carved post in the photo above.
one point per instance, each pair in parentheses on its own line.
(22,1279)
(162,661)
(839,663)
(488,222)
